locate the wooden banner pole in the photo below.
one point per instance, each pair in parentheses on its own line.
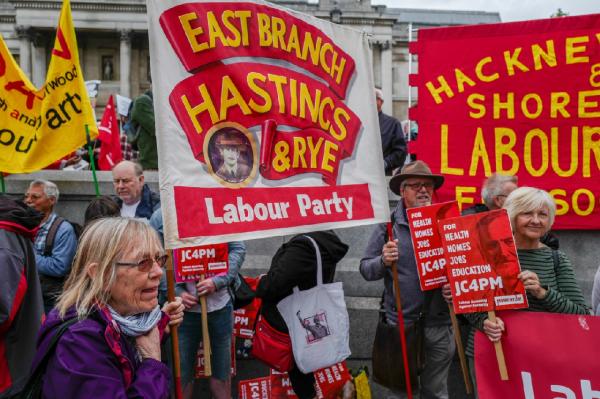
(174,334)
(499,351)
(205,336)
(461,350)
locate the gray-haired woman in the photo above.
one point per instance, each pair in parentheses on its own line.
(113,348)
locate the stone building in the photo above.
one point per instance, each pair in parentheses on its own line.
(112,36)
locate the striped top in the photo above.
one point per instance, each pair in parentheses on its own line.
(563,293)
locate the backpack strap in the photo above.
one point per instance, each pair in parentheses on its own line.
(33,387)
(52,235)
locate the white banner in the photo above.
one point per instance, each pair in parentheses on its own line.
(266,122)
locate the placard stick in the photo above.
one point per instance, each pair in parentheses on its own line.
(174,335)
(205,336)
(461,350)
(499,351)
(400,319)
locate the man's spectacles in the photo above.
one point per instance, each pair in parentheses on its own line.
(145,265)
(417,186)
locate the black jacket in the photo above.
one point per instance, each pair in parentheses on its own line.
(295,264)
(392,143)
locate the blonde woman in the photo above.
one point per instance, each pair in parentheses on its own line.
(112,349)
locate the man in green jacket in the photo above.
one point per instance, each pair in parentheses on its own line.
(142,115)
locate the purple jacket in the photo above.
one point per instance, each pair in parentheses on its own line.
(92,360)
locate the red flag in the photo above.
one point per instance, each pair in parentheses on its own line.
(110,139)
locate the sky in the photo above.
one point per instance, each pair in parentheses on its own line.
(510,10)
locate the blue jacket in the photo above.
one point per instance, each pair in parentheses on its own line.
(58,264)
(412,298)
(149,202)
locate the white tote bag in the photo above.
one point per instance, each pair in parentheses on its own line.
(318,322)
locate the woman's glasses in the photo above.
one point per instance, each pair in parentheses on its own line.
(145,265)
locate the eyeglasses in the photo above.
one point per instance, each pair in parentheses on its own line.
(417,186)
(145,265)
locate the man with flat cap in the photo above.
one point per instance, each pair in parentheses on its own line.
(231,145)
(415,184)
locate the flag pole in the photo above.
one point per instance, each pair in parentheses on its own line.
(174,334)
(409,394)
(2,186)
(91,155)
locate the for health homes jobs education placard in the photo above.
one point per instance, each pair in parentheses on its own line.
(266,122)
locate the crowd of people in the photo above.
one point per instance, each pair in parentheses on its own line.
(83,310)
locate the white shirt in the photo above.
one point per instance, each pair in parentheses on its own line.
(215,301)
(128,211)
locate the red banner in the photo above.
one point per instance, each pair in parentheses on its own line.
(110,138)
(248,93)
(482,263)
(244,319)
(226,211)
(257,388)
(548,356)
(193,262)
(205,33)
(518,98)
(427,242)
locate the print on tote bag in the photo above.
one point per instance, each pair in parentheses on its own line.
(316,326)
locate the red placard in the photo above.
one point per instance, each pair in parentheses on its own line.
(244,319)
(427,242)
(192,262)
(281,386)
(331,380)
(482,263)
(199,370)
(257,388)
(548,356)
(517,98)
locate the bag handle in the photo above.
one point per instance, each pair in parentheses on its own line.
(319,264)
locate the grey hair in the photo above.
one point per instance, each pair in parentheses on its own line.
(50,189)
(137,168)
(527,199)
(378,93)
(493,186)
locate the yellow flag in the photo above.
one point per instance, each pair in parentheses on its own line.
(40,126)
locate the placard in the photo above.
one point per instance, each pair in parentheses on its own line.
(482,263)
(427,242)
(191,263)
